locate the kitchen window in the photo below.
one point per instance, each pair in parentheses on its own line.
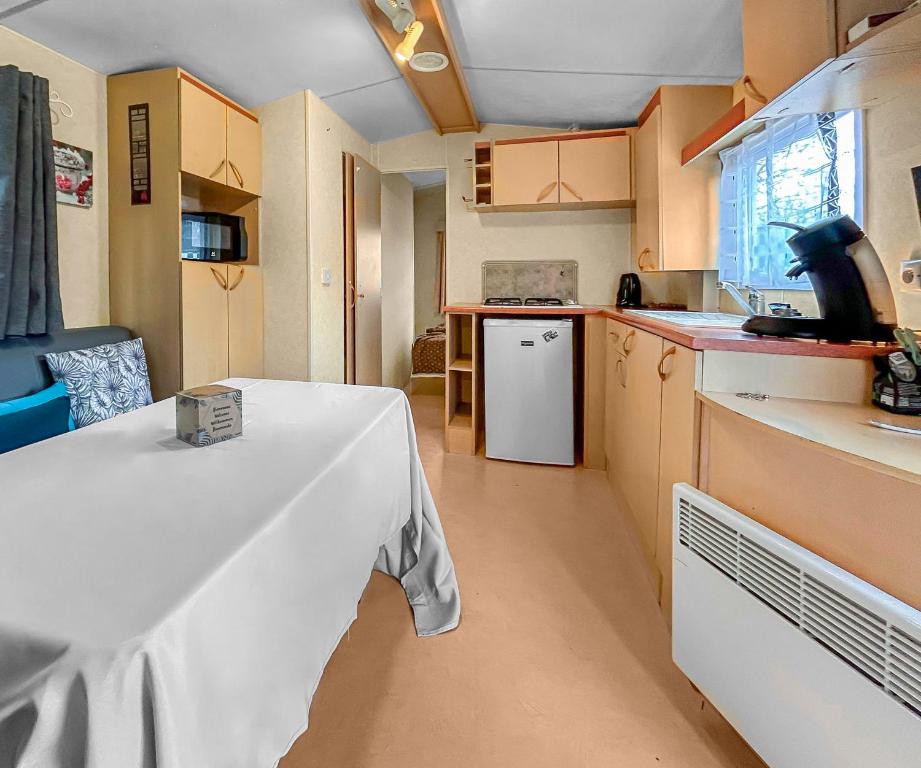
(797,170)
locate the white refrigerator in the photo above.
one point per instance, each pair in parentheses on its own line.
(529,390)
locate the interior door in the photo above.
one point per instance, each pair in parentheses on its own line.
(203,132)
(595,170)
(244,152)
(362,271)
(204,323)
(647,147)
(244,321)
(526,173)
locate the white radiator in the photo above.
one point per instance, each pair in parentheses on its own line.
(814,667)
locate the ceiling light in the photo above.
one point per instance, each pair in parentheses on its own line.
(429,61)
(405,50)
(400,13)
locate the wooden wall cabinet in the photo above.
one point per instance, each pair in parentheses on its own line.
(221,322)
(194,332)
(677,208)
(566,172)
(219,140)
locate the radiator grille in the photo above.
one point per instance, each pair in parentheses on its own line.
(885,654)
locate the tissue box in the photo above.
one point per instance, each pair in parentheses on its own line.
(210,414)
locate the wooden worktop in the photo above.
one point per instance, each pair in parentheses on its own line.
(842,428)
(725,339)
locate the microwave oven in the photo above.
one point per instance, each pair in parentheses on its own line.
(213,237)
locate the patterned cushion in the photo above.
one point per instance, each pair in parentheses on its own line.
(103,381)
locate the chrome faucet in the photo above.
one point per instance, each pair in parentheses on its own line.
(738,297)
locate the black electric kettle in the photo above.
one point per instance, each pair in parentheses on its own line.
(630,292)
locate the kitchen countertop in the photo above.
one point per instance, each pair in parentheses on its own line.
(725,339)
(839,427)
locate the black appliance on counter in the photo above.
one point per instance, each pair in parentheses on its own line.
(213,237)
(851,288)
(629,292)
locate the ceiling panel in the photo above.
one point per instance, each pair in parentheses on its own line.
(381,112)
(422,179)
(253,51)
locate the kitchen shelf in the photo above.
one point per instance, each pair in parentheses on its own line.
(462,417)
(461,363)
(882,65)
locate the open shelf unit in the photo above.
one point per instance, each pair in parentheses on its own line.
(482,173)
(462,370)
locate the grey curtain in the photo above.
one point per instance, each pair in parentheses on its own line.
(30,294)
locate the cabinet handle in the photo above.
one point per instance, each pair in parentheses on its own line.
(238,279)
(219,277)
(546,191)
(661,366)
(630,335)
(640,262)
(236,172)
(749,87)
(217,170)
(621,373)
(572,191)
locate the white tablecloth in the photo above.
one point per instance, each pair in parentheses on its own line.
(163,606)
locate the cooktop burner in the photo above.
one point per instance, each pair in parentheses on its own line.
(543,302)
(502,301)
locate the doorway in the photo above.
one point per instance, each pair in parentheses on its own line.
(362,299)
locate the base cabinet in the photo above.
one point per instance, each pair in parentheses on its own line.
(221,322)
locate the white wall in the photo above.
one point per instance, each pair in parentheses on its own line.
(397,279)
(328,136)
(893,148)
(598,240)
(83,234)
(429,211)
(283,237)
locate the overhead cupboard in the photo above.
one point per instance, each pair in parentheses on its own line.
(201,321)
(555,172)
(797,60)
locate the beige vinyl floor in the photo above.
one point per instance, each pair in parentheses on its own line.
(561,658)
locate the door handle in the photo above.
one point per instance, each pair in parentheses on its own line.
(352,290)
(219,277)
(238,279)
(749,88)
(621,373)
(546,191)
(660,368)
(572,191)
(630,335)
(217,170)
(236,172)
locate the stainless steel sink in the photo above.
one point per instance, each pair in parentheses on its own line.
(695,319)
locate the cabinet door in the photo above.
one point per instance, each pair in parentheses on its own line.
(648,175)
(526,173)
(244,152)
(637,443)
(678,370)
(615,392)
(204,323)
(244,311)
(203,132)
(783,41)
(595,170)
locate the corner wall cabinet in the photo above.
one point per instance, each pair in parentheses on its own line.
(676,208)
(573,171)
(204,155)
(797,61)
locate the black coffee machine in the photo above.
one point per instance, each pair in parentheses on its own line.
(630,292)
(851,288)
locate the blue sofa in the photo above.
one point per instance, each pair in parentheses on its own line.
(22,368)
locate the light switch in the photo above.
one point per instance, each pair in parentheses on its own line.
(326,276)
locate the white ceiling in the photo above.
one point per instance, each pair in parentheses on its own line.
(540,62)
(423,179)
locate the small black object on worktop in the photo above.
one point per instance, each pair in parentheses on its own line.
(630,292)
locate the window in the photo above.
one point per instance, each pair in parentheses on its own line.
(798,170)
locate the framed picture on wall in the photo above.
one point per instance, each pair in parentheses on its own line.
(73,175)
